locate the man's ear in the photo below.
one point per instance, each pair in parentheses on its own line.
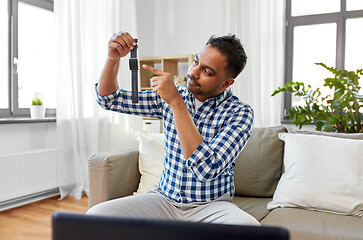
(227,83)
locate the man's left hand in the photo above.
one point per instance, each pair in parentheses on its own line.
(163,84)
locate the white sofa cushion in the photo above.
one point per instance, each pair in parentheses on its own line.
(151,158)
(321,173)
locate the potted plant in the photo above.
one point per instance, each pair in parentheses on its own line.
(339,112)
(37,110)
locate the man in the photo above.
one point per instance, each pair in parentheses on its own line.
(205,128)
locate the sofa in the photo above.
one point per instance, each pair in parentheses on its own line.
(310,202)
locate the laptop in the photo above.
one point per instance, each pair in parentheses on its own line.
(69,226)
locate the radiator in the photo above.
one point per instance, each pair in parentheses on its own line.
(27,174)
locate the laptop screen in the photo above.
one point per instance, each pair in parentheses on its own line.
(68,226)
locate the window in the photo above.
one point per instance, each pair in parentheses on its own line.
(4,57)
(327,31)
(28,68)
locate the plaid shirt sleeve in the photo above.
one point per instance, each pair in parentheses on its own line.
(150,104)
(211,159)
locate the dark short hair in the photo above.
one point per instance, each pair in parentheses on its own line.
(231,47)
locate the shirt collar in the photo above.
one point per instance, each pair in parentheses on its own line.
(219,99)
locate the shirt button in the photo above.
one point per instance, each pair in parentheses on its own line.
(181,193)
(184,169)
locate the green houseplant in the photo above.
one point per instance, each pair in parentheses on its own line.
(339,112)
(37,110)
(37,101)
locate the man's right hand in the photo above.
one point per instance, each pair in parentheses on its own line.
(120,45)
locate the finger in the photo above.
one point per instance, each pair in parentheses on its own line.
(116,46)
(153,70)
(154,82)
(126,37)
(127,40)
(122,42)
(154,79)
(130,40)
(155,89)
(120,47)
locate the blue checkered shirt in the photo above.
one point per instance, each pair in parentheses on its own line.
(225,124)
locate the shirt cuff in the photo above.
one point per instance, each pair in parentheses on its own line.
(202,162)
(108,98)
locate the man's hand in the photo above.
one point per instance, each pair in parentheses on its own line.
(120,45)
(163,84)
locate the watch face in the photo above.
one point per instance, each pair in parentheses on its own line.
(134,64)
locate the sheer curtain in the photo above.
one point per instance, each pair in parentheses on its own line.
(83,128)
(260,25)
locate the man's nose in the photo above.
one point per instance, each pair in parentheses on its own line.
(194,72)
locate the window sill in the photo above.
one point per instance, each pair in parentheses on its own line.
(26,120)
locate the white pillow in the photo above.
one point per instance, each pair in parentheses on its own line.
(321,173)
(151,158)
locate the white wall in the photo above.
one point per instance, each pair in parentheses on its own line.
(145,27)
(177,27)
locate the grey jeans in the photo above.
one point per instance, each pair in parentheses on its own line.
(155,205)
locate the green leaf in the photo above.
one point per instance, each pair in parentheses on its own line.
(319,125)
(37,101)
(331,69)
(151,75)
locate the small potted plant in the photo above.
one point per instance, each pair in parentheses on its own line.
(37,110)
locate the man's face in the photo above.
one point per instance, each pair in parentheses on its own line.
(208,76)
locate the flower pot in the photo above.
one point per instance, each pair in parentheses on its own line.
(37,112)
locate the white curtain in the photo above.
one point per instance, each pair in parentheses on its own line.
(260,25)
(83,29)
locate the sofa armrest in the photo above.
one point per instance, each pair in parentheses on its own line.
(112,175)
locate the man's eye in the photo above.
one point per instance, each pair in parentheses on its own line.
(207,72)
(195,62)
